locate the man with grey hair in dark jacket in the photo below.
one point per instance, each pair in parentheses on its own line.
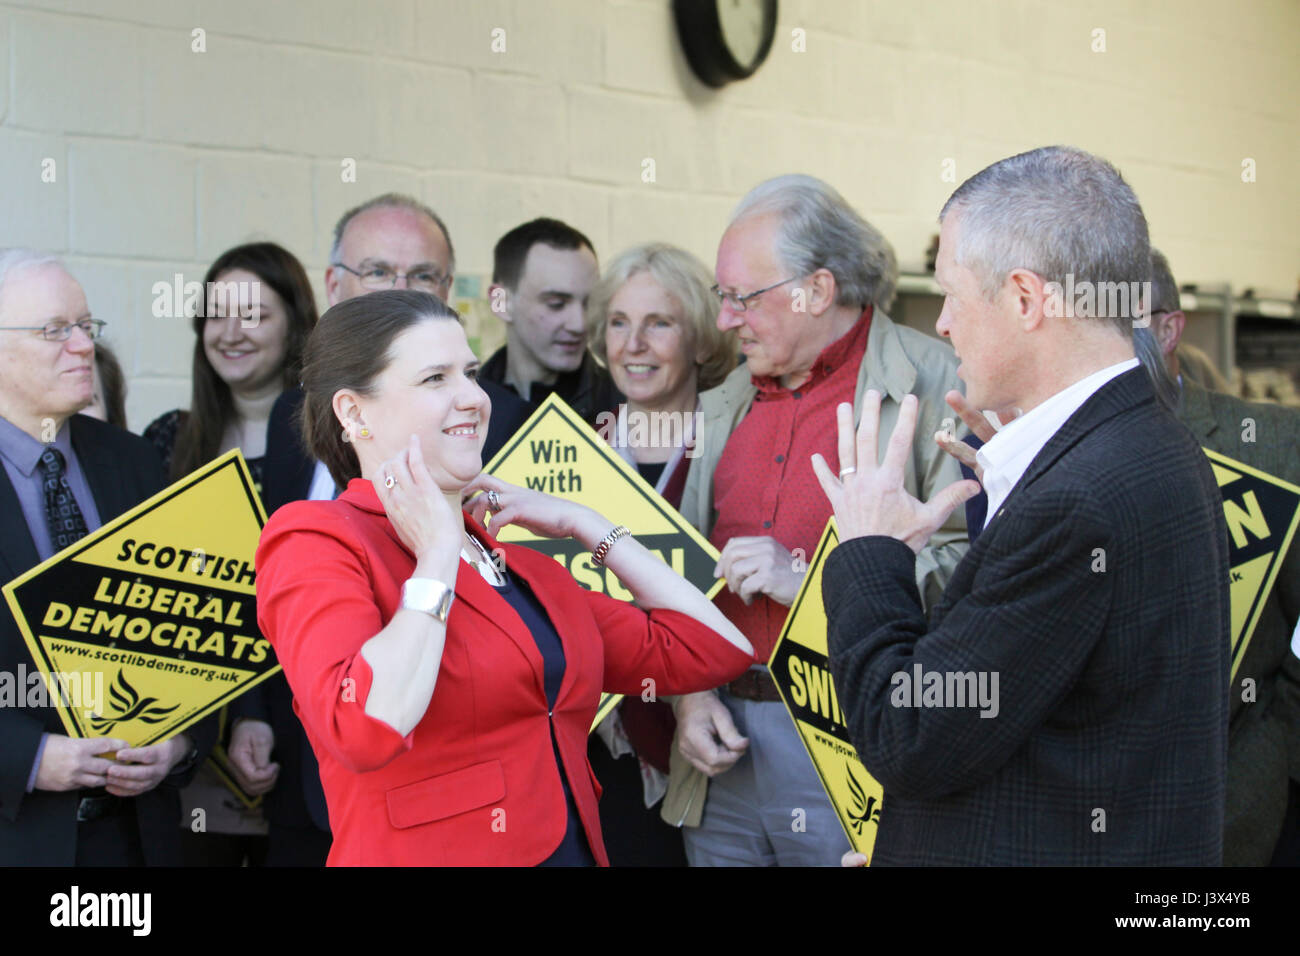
(1104,619)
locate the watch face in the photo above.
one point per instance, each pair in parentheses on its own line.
(742,29)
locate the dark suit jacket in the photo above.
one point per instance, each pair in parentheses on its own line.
(589,391)
(1112,703)
(288,464)
(475,782)
(40,828)
(1263,736)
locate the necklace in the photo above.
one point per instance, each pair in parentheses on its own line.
(487,567)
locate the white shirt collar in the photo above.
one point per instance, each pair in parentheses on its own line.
(1010,452)
(322,484)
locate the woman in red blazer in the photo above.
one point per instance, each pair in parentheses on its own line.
(447,682)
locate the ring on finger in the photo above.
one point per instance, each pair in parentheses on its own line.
(845,472)
(494,500)
(389,482)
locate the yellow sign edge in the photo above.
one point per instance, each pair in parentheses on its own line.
(830,537)
(1261,598)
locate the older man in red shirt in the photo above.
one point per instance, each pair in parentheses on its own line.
(798,272)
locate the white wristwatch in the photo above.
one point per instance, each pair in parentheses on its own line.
(427,595)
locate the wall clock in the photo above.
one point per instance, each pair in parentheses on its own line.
(725,40)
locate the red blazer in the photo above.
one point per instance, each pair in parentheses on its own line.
(476,781)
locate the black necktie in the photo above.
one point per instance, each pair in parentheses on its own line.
(66,522)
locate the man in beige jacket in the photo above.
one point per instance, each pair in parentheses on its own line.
(798,270)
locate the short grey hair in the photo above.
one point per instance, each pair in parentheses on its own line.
(819,230)
(1057,211)
(391,201)
(1147,349)
(1164,290)
(17,258)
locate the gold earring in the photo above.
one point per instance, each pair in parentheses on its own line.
(365,432)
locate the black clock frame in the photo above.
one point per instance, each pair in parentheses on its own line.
(700,31)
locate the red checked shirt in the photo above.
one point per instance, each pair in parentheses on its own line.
(764,484)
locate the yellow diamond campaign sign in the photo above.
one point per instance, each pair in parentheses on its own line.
(156,609)
(1262,513)
(558,453)
(802,674)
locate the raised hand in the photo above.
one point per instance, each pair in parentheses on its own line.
(531,510)
(871,499)
(979,425)
(416,506)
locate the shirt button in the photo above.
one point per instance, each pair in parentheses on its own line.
(767,524)
(780,458)
(798,395)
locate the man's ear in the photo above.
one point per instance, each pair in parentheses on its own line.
(1030,296)
(332,278)
(499,302)
(1169,332)
(821,292)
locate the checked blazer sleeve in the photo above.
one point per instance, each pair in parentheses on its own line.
(1031,618)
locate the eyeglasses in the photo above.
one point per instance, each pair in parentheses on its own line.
(380,276)
(739,302)
(61,331)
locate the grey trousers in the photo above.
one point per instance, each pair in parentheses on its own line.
(770,808)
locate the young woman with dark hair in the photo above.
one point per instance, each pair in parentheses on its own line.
(258,310)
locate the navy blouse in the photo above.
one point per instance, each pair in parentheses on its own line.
(573,849)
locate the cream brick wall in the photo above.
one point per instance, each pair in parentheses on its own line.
(163,157)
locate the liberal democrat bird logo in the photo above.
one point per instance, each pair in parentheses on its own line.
(865,809)
(129,706)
